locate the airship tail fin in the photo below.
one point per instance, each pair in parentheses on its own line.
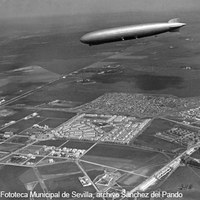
(175,25)
(175,20)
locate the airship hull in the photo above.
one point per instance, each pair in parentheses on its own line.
(128,33)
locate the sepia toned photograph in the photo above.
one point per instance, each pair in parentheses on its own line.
(99,99)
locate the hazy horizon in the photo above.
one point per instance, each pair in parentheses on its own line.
(29,8)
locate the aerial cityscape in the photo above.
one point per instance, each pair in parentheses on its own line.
(118,118)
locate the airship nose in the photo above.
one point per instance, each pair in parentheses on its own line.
(85,39)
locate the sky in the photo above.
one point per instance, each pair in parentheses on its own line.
(30,8)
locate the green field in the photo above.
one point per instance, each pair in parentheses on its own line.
(9,147)
(75,144)
(55,143)
(127,158)
(68,184)
(59,168)
(148,139)
(13,178)
(180,180)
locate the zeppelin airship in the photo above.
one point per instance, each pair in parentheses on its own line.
(130,32)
